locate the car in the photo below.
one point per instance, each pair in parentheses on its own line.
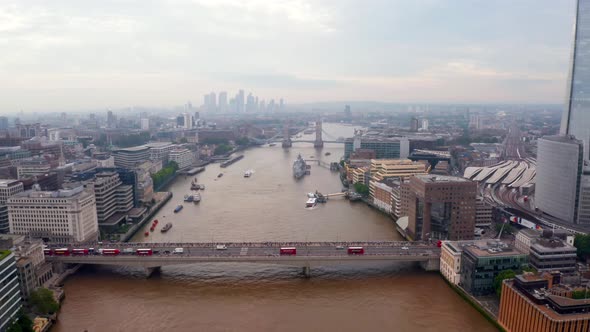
(220,247)
(178,251)
(405,248)
(339,247)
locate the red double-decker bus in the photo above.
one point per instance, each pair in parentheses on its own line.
(439,243)
(356,250)
(62,252)
(110,252)
(288,251)
(143,252)
(79,252)
(48,252)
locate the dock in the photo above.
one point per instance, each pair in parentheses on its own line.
(193,171)
(231,161)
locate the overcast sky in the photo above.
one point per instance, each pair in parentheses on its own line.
(75,54)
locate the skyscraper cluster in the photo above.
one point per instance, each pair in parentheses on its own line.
(240,103)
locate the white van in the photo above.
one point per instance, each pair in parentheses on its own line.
(220,247)
(178,251)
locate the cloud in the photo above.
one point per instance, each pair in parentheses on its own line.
(86,54)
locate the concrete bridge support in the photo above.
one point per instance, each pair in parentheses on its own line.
(307,271)
(432,264)
(149,271)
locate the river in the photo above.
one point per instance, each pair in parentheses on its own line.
(269,206)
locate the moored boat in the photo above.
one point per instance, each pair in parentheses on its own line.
(299,167)
(311,202)
(166,227)
(188,198)
(178,208)
(146,234)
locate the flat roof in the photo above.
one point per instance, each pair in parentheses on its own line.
(7,182)
(440,178)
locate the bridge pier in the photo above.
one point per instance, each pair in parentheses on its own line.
(149,271)
(307,271)
(432,264)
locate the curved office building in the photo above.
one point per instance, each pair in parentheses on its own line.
(559,171)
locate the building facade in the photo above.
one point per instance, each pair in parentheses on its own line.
(10,296)
(483,213)
(482,262)
(385,148)
(559,174)
(183,157)
(129,157)
(525,238)
(576,118)
(113,198)
(383,196)
(539,303)
(441,207)
(553,255)
(63,216)
(7,189)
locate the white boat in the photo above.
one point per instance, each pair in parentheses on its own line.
(248,173)
(311,202)
(196,198)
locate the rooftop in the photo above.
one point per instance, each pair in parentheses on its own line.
(440,178)
(156,145)
(487,248)
(132,149)
(562,139)
(8,182)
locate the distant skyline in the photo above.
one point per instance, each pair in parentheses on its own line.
(74,55)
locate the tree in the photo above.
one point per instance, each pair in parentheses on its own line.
(582,243)
(42,299)
(506,274)
(243,141)
(580,294)
(21,324)
(222,149)
(361,189)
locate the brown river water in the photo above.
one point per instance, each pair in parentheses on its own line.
(269,206)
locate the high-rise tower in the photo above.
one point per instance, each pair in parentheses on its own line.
(576,117)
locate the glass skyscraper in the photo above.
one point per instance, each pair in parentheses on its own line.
(576,118)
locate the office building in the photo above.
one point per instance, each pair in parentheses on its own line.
(382,195)
(559,177)
(129,157)
(222,105)
(10,295)
(33,167)
(145,124)
(159,151)
(240,101)
(212,102)
(576,118)
(482,261)
(402,168)
(441,207)
(63,216)
(483,213)
(552,254)
(525,238)
(113,198)
(385,148)
(541,303)
(183,157)
(111,120)
(7,189)
(424,124)
(450,260)
(414,124)
(188,120)
(3,123)
(32,269)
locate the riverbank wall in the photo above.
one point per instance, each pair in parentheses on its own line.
(131,232)
(488,315)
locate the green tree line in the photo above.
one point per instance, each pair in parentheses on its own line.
(164,174)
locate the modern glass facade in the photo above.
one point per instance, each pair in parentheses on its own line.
(10,295)
(576,118)
(559,171)
(385,148)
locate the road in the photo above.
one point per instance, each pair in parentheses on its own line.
(312,249)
